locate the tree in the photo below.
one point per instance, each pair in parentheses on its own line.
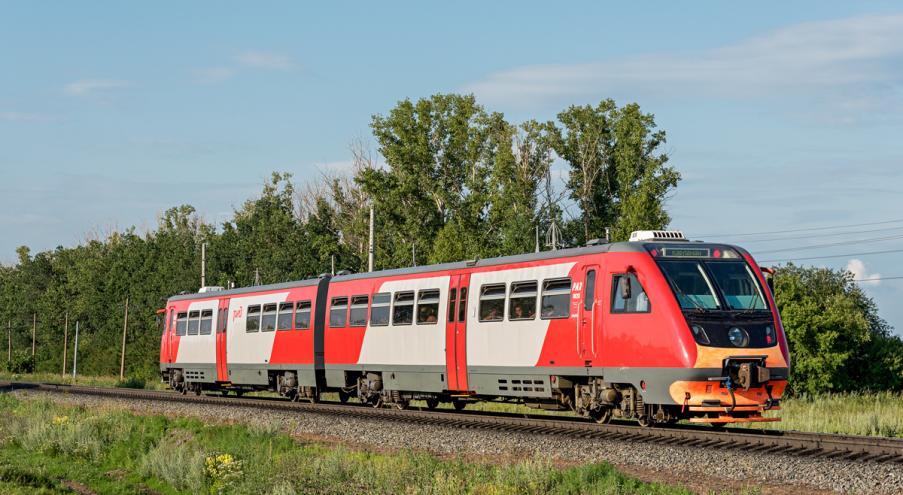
(836,338)
(618,177)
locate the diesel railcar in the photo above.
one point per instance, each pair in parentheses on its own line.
(656,329)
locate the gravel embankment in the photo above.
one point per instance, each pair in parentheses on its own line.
(697,468)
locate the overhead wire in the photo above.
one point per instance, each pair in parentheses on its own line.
(811,229)
(832,244)
(847,255)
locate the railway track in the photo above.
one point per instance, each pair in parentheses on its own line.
(813,445)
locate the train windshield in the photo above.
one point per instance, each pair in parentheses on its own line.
(713,285)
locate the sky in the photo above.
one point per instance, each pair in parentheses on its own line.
(784,119)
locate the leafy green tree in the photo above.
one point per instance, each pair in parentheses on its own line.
(619,177)
(837,340)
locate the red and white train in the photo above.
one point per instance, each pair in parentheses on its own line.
(656,329)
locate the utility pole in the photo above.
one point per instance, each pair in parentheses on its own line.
(370,250)
(537,237)
(125,326)
(9,337)
(34,328)
(332,260)
(413,255)
(65,341)
(203,266)
(257,276)
(75,352)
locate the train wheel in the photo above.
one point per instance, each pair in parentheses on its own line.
(645,421)
(432,404)
(239,393)
(602,416)
(198,389)
(183,389)
(224,392)
(459,405)
(343,396)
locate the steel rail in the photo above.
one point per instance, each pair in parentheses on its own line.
(801,444)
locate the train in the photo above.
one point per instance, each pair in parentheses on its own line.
(656,329)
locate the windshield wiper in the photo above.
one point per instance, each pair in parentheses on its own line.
(696,305)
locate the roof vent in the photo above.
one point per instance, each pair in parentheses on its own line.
(210,288)
(657,235)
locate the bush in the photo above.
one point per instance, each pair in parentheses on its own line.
(22,362)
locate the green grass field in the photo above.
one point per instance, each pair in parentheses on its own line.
(47,448)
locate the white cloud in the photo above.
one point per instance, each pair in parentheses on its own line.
(854,56)
(210,75)
(860,272)
(265,60)
(92,86)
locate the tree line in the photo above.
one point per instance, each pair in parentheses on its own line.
(457,182)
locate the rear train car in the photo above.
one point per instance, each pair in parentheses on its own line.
(657,329)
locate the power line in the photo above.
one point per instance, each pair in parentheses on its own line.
(802,230)
(876,278)
(834,256)
(842,243)
(831,234)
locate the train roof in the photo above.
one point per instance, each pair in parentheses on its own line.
(620,247)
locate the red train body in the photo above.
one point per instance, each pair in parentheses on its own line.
(656,330)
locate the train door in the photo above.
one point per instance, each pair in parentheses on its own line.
(169,333)
(590,317)
(456,333)
(222,327)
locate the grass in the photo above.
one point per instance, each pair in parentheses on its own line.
(856,413)
(84,380)
(44,446)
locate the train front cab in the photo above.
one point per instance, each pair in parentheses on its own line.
(741,358)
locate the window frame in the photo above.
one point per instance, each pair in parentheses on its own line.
(332,308)
(462,305)
(483,297)
(542,295)
(256,309)
(298,309)
(452,300)
(615,295)
(206,314)
(352,305)
(264,313)
(194,317)
(280,312)
(182,315)
(374,305)
(512,297)
(395,297)
(589,290)
(419,302)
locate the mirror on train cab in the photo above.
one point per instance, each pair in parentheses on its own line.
(624,287)
(769,277)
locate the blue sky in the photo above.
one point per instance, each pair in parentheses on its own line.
(780,116)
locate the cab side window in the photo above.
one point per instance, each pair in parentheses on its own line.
(628,295)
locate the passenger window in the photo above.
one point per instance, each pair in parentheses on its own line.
(492,302)
(589,291)
(193,322)
(403,309)
(451,305)
(462,305)
(379,312)
(358,314)
(428,307)
(556,298)
(338,311)
(181,324)
(522,305)
(268,322)
(206,322)
(302,315)
(284,319)
(252,323)
(628,295)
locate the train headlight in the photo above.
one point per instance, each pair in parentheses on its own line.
(738,337)
(769,335)
(699,334)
